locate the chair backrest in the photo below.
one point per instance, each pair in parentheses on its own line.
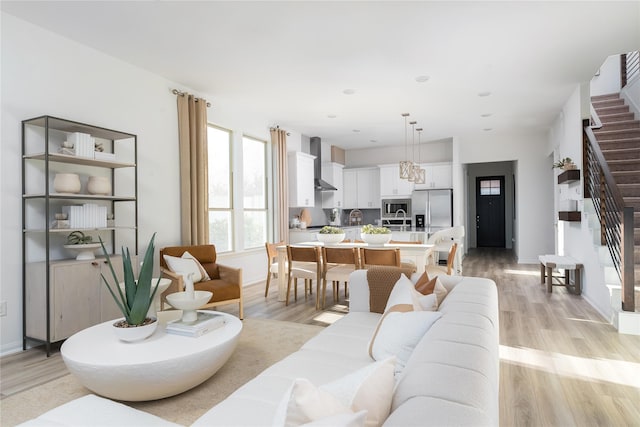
(303,254)
(451,257)
(272,252)
(453,233)
(388,256)
(339,256)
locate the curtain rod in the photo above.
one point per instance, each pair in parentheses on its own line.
(277,127)
(180,93)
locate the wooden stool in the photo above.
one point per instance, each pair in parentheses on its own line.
(567,263)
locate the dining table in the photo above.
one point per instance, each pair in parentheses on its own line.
(418,253)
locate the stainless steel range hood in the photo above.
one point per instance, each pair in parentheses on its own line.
(315,148)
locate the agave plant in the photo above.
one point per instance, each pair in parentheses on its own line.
(134,303)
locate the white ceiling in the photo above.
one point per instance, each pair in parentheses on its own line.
(291,61)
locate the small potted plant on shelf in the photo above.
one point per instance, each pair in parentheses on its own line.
(329,234)
(137,297)
(564,164)
(82,245)
(375,235)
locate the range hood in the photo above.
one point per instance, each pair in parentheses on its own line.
(315,149)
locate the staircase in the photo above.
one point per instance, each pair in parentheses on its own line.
(619,139)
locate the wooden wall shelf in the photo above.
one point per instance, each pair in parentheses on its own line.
(570,216)
(569,176)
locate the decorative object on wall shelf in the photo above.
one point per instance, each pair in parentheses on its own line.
(565,164)
(66,183)
(82,245)
(99,185)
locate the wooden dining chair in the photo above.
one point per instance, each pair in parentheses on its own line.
(380,256)
(337,266)
(434,270)
(304,262)
(272,264)
(407,263)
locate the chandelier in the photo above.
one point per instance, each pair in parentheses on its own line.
(406,166)
(412,170)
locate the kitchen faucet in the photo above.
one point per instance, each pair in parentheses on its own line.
(404,218)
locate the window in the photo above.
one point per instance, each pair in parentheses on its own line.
(254,185)
(490,187)
(220,188)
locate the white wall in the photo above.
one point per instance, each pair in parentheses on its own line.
(430,152)
(607,79)
(576,239)
(46,74)
(534,189)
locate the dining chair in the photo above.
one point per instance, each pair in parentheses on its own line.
(337,266)
(442,241)
(272,264)
(407,263)
(434,270)
(380,256)
(304,262)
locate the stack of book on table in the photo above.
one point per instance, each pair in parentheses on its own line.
(206,322)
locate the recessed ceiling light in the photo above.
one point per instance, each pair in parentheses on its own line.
(422,79)
(485,115)
(373,140)
(487,129)
(487,93)
(349,91)
(356,130)
(332,116)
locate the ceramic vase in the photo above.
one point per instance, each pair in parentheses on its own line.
(66,183)
(99,185)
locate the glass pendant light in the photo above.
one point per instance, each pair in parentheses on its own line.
(406,166)
(419,174)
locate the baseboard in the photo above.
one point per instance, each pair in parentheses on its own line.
(11,348)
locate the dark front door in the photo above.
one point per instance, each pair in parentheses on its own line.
(490,211)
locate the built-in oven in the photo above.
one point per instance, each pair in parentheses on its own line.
(396,208)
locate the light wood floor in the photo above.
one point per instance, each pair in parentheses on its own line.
(561,363)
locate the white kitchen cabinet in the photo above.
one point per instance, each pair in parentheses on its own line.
(332,173)
(391,185)
(437,175)
(301,191)
(78,298)
(361,188)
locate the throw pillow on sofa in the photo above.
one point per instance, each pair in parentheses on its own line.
(427,286)
(369,389)
(187,265)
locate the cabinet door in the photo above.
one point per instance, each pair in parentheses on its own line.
(108,308)
(350,184)
(332,173)
(390,183)
(441,176)
(301,192)
(76,298)
(368,189)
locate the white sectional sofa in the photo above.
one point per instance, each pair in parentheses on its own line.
(450,378)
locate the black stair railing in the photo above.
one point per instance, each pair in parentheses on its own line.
(616,218)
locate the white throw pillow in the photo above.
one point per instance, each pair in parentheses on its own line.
(184,266)
(398,333)
(203,272)
(341,420)
(428,302)
(369,390)
(403,292)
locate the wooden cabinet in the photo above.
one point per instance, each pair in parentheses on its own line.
(77,297)
(62,295)
(332,173)
(391,185)
(301,192)
(361,188)
(437,176)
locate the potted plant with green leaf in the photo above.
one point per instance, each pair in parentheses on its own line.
(329,234)
(137,297)
(376,236)
(82,244)
(565,164)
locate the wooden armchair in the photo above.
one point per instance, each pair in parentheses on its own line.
(225,283)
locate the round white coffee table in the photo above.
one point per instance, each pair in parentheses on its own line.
(162,365)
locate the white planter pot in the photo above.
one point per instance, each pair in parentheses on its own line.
(376,239)
(66,183)
(330,238)
(99,185)
(135,333)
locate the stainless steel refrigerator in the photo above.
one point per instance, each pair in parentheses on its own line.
(436,206)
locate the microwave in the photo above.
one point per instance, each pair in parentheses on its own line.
(392,208)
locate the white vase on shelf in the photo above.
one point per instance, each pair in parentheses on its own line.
(99,185)
(66,183)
